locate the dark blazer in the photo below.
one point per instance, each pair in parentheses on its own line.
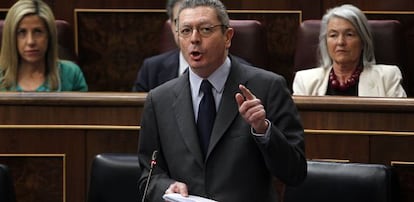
(237,167)
(158,69)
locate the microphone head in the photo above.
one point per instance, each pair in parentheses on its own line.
(154,155)
(154,158)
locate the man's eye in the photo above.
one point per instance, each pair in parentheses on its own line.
(185,31)
(206,30)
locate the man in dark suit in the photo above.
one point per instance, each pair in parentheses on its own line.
(256,133)
(158,69)
(161,68)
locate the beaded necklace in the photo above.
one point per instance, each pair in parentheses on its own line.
(351,81)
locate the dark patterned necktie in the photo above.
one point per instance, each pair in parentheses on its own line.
(206,115)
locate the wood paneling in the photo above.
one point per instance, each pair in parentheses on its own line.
(77,125)
(129,57)
(81,125)
(78,144)
(381,5)
(87,124)
(280,27)
(44,183)
(386,149)
(40,176)
(337,147)
(111,48)
(71,108)
(113,43)
(351,113)
(368,130)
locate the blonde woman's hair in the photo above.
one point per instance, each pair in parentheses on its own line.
(9,55)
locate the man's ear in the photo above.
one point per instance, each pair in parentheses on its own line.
(229,35)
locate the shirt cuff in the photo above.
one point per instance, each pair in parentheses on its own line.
(262,136)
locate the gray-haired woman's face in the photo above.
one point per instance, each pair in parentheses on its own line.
(344,43)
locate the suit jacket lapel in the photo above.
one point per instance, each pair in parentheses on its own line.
(184,114)
(227,112)
(228,109)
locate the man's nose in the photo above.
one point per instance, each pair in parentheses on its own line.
(195,36)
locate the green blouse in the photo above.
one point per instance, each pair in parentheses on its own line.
(71,79)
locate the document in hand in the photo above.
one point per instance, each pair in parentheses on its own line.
(191,198)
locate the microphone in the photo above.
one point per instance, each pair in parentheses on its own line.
(153,163)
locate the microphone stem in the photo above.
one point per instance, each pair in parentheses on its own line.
(147,184)
(153,162)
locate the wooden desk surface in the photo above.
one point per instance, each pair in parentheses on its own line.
(77,126)
(71,108)
(356,113)
(73,98)
(364,104)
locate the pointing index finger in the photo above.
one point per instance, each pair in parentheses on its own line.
(246,92)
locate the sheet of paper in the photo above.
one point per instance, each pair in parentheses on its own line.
(191,198)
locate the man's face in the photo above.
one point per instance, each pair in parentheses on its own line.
(202,41)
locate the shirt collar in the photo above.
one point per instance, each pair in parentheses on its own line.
(217,78)
(183,64)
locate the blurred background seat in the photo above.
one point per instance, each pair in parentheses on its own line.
(7,193)
(344,182)
(114,177)
(66,41)
(249,41)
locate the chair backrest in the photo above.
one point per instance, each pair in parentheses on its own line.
(66,42)
(343,182)
(114,177)
(7,193)
(249,41)
(387,35)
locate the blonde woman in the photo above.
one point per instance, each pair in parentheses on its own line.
(29,52)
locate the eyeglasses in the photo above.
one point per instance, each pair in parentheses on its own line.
(204,31)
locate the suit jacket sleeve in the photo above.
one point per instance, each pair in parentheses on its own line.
(159,174)
(284,153)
